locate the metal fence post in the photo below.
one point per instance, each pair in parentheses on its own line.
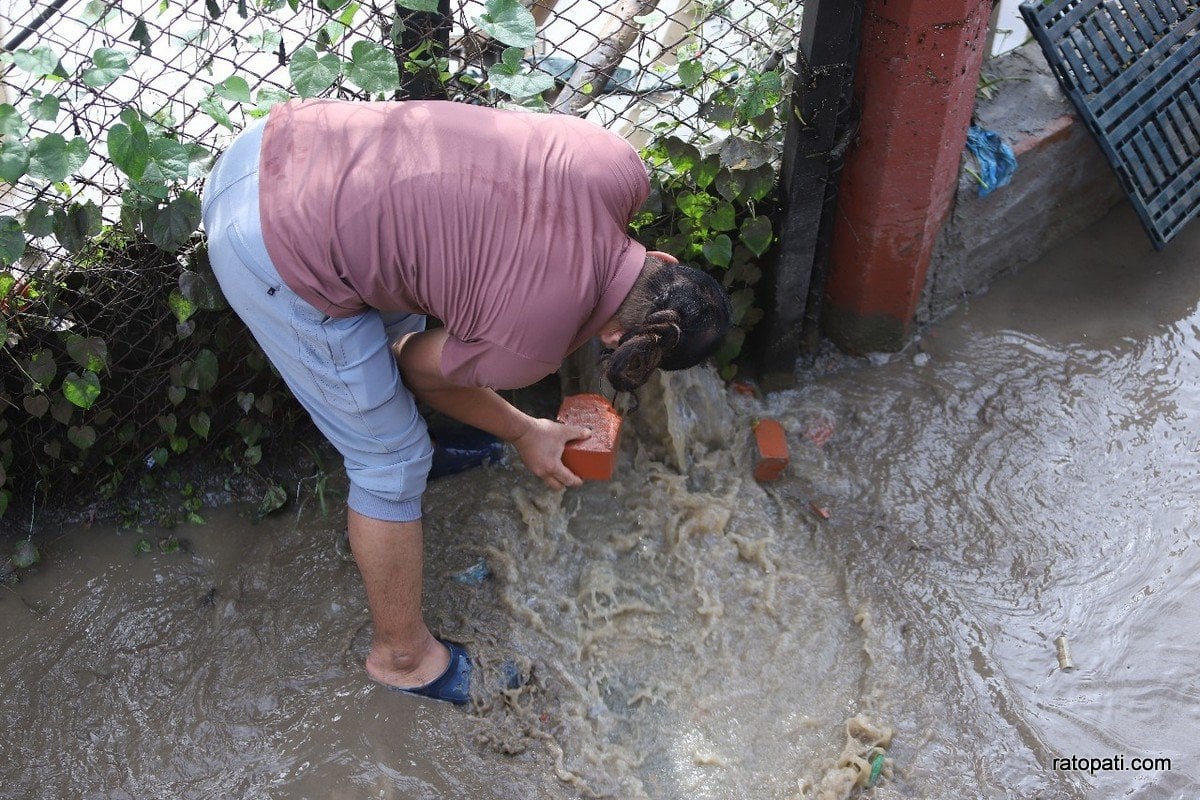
(818,124)
(433,30)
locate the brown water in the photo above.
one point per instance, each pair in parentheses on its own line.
(692,634)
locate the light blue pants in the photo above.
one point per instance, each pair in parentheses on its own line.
(341,370)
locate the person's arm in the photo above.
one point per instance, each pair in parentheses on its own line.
(539,442)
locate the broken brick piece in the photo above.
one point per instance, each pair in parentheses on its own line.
(770,451)
(594,458)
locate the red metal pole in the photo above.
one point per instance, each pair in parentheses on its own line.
(918,69)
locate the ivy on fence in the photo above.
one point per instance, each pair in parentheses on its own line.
(118,354)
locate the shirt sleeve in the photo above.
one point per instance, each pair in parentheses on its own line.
(490,365)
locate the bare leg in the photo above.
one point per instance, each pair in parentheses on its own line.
(389,555)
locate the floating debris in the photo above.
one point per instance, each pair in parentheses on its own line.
(876,767)
(511,673)
(1064,654)
(473,575)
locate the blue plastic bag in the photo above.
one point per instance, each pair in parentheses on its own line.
(997,162)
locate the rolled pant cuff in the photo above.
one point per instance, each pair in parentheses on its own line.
(376,507)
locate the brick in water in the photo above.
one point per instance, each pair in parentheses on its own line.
(770,450)
(594,458)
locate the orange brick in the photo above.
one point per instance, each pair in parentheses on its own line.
(771,450)
(594,458)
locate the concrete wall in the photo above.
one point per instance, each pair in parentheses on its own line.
(1062,184)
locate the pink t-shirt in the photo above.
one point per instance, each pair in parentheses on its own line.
(509,227)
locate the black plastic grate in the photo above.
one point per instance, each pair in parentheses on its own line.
(1132,69)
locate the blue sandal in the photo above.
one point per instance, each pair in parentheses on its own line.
(453,685)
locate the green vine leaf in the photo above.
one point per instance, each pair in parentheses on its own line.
(42,367)
(373,68)
(705,171)
(234,88)
(107,65)
(141,36)
(510,77)
(36,405)
(202,289)
(181,307)
(719,250)
(508,22)
(12,124)
(173,224)
(82,390)
(12,241)
(169,160)
(756,234)
(742,301)
(683,156)
(40,61)
(273,500)
(45,108)
(91,353)
(200,423)
(760,181)
(39,221)
(62,412)
(129,148)
(266,99)
(14,160)
(217,111)
(312,74)
(76,225)
(691,72)
(428,6)
(93,12)
(730,184)
(721,217)
(206,370)
(53,158)
(759,92)
(82,436)
(267,41)
(694,204)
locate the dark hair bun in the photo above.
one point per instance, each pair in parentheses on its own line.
(686,315)
(642,349)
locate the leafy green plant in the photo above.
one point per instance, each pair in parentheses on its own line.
(714,195)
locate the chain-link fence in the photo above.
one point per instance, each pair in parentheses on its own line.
(116,353)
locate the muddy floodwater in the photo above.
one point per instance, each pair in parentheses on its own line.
(1028,470)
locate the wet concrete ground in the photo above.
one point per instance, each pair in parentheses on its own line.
(1027,470)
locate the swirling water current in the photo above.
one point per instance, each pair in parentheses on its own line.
(1027,470)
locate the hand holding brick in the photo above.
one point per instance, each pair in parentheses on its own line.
(594,458)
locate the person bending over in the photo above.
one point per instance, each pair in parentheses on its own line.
(334,228)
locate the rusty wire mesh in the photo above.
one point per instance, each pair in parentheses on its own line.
(117,289)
